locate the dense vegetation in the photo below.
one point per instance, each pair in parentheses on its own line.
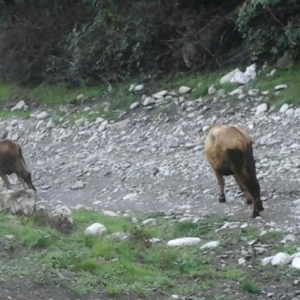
(91,41)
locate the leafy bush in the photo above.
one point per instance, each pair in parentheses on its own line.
(270,27)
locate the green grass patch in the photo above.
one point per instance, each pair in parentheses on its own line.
(87,264)
(251,287)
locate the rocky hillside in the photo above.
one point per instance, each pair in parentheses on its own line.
(152,160)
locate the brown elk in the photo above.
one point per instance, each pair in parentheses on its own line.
(228,150)
(12,161)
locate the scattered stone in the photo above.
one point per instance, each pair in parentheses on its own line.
(296,263)
(80,98)
(267,260)
(237,91)
(288,238)
(211,90)
(184,90)
(42,115)
(160,94)
(118,236)
(284,108)
(95,229)
(148,101)
(20,202)
(50,124)
(78,186)
(62,214)
(210,245)
(134,105)
(260,109)
(130,196)
(253,92)
(138,87)
(149,221)
(182,242)
(281,259)
(110,213)
(19,106)
(80,122)
(281,87)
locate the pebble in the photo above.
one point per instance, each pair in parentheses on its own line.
(96,229)
(260,109)
(210,245)
(281,87)
(284,108)
(148,101)
(296,263)
(42,115)
(184,90)
(183,242)
(281,259)
(134,105)
(78,186)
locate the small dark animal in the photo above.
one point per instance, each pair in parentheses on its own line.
(228,149)
(12,161)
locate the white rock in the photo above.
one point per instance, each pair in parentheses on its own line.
(211,90)
(160,94)
(236,76)
(50,124)
(205,128)
(62,212)
(272,73)
(149,221)
(131,88)
(261,108)
(189,145)
(95,229)
(281,87)
(99,120)
(242,261)
(184,90)
(138,87)
(130,196)
(210,245)
(80,97)
(110,213)
(119,236)
(134,105)
(134,220)
(288,238)
(267,260)
(42,115)
(297,112)
(23,201)
(290,112)
(78,186)
(19,106)
(237,91)
(297,254)
(281,259)
(296,263)
(182,242)
(155,240)
(80,122)
(148,101)
(284,107)
(253,92)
